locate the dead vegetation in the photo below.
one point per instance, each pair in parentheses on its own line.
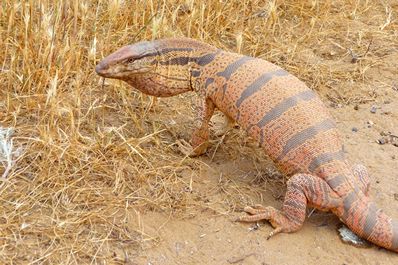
(92,162)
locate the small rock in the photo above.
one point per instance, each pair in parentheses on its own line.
(354,129)
(382,141)
(178,247)
(370,123)
(356,107)
(254,227)
(347,236)
(336,105)
(354,58)
(373,109)
(395,86)
(393,157)
(377,181)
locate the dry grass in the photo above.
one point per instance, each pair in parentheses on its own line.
(93,161)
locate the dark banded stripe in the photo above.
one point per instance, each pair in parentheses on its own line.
(206,59)
(231,69)
(195,73)
(184,60)
(163,51)
(294,204)
(262,137)
(168,50)
(336,181)
(325,158)
(258,84)
(224,88)
(209,81)
(347,203)
(303,136)
(283,106)
(371,219)
(394,227)
(237,117)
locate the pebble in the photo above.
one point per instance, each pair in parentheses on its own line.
(381,141)
(370,123)
(384,133)
(373,109)
(354,129)
(356,107)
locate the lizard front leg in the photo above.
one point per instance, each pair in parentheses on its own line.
(302,189)
(204,108)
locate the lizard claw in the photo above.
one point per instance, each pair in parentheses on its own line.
(274,232)
(276,218)
(187,149)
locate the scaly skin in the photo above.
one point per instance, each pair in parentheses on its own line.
(290,122)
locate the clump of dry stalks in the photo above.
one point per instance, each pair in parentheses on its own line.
(95,160)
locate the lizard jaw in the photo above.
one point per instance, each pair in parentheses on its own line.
(120,71)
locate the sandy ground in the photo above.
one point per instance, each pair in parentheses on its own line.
(211,236)
(83,194)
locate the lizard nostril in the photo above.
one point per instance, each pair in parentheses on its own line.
(100,68)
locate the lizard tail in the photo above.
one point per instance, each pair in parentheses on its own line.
(368,221)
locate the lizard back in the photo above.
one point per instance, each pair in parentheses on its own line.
(287,118)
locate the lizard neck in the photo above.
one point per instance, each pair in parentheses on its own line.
(206,77)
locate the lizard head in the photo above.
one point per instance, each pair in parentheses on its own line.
(128,61)
(159,68)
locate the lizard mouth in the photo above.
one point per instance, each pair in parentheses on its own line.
(119,72)
(102,70)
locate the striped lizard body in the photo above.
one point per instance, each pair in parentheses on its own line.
(288,119)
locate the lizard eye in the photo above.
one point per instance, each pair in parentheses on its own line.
(130,60)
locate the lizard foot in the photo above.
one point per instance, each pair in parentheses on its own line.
(301,190)
(187,149)
(278,220)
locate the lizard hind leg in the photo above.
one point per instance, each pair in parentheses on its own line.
(302,189)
